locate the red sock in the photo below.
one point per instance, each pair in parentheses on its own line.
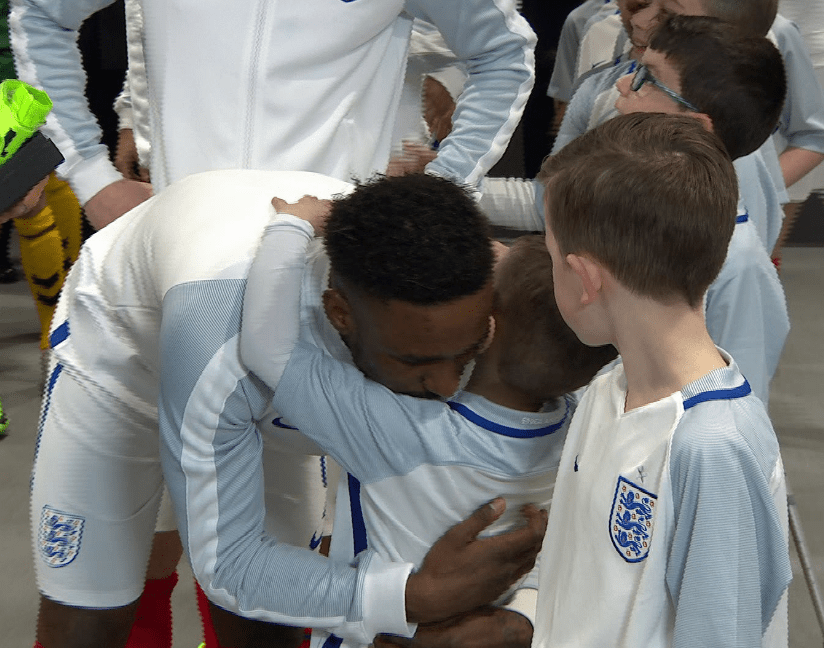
(209,635)
(153,620)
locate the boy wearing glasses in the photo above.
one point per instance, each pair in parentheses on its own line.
(800,136)
(740,101)
(593,101)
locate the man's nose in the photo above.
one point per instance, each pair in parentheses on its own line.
(443,379)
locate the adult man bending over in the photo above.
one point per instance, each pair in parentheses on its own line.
(151,311)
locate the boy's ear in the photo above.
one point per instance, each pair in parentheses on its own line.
(339,311)
(589,273)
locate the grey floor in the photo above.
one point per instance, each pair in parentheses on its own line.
(797,407)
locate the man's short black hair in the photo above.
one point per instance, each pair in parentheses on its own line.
(415,238)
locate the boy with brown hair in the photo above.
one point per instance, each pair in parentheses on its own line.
(668,523)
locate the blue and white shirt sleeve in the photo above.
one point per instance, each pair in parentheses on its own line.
(44,39)
(577,116)
(497,46)
(514,203)
(802,120)
(271,303)
(604,39)
(746,310)
(729,550)
(211,453)
(352,416)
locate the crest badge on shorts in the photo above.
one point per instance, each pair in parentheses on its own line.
(631,520)
(59,536)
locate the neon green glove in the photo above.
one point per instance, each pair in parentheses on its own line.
(23,110)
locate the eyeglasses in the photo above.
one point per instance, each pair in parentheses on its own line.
(643,75)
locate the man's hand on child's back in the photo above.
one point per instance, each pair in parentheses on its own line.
(486,627)
(462,572)
(309,208)
(114,200)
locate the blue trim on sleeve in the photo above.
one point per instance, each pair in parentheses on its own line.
(504,430)
(60,334)
(742,218)
(718,394)
(358,524)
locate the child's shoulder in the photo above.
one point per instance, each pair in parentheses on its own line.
(746,255)
(784,32)
(724,427)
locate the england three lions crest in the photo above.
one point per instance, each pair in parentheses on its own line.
(59,536)
(631,520)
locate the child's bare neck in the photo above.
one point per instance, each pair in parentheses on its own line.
(665,352)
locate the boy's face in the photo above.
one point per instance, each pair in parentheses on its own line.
(650,98)
(641,17)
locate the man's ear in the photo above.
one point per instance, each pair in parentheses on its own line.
(589,273)
(339,311)
(490,336)
(704,118)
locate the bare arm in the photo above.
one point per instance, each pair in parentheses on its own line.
(486,627)
(798,162)
(44,39)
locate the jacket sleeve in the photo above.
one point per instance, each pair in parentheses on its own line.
(212,456)
(497,46)
(514,203)
(802,120)
(746,310)
(44,39)
(271,302)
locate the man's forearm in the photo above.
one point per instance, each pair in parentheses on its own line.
(497,47)
(487,627)
(44,39)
